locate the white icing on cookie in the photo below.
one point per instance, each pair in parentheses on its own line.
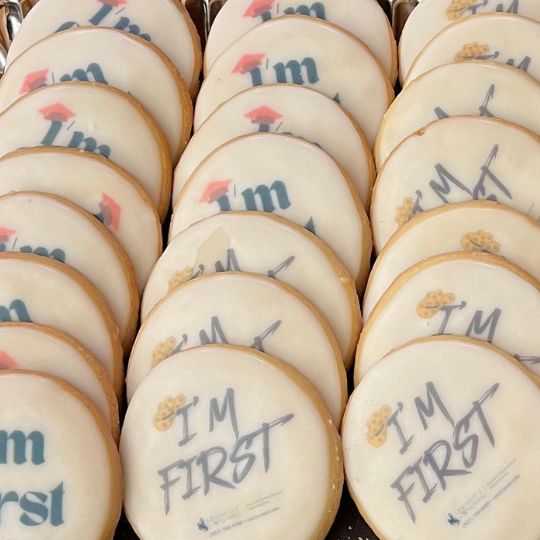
(454,160)
(56,452)
(470,226)
(363,18)
(41,290)
(461,293)
(304,51)
(32,222)
(289,109)
(166,23)
(506,39)
(430,17)
(42,348)
(263,244)
(283,175)
(464,88)
(95,184)
(441,440)
(92,118)
(85,55)
(222,435)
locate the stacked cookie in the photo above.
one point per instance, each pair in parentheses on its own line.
(87,150)
(439,436)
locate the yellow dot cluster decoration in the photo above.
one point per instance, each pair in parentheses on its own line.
(179,278)
(480,241)
(457,8)
(377,428)
(166,413)
(431,304)
(163,350)
(471,51)
(404,212)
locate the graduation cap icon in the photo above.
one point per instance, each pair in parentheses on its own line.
(214,190)
(34,80)
(110,212)
(263,115)
(258,7)
(248,62)
(6,362)
(5,234)
(56,113)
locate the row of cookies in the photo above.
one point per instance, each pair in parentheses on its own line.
(455,228)
(86,154)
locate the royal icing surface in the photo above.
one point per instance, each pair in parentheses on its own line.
(429,17)
(287,176)
(455,160)
(208,450)
(243,309)
(470,226)
(96,185)
(263,244)
(287,109)
(93,118)
(41,290)
(32,222)
(491,90)
(85,55)
(469,294)
(55,452)
(363,18)
(303,51)
(41,348)
(441,440)
(508,39)
(165,23)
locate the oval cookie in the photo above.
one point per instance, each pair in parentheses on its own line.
(92,118)
(470,226)
(363,18)
(455,160)
(303,51)
(51,226)
(42,348)
(430,17)
(85,55)
(40,290)
(283,454)
(243,309)
(166,23)
(287,109)
(283,175)
(491,90)
(263,244)
(56,450)
(506,39)
(469,294)
(430,442)
(98,186)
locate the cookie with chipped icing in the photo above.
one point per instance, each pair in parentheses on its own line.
(99,187)
(471,294)
(51,226)
(507,39)
(279,458)
(263,244)
(35,347)
(41,290)
(429,443)
(243,309)
(484,226)
(303,51)
(288,109)
(430,17)
(287,176)
(166,23)
(93,118)
(52,436)
(363,18)
(85,55)
(478,88)
(455,160)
